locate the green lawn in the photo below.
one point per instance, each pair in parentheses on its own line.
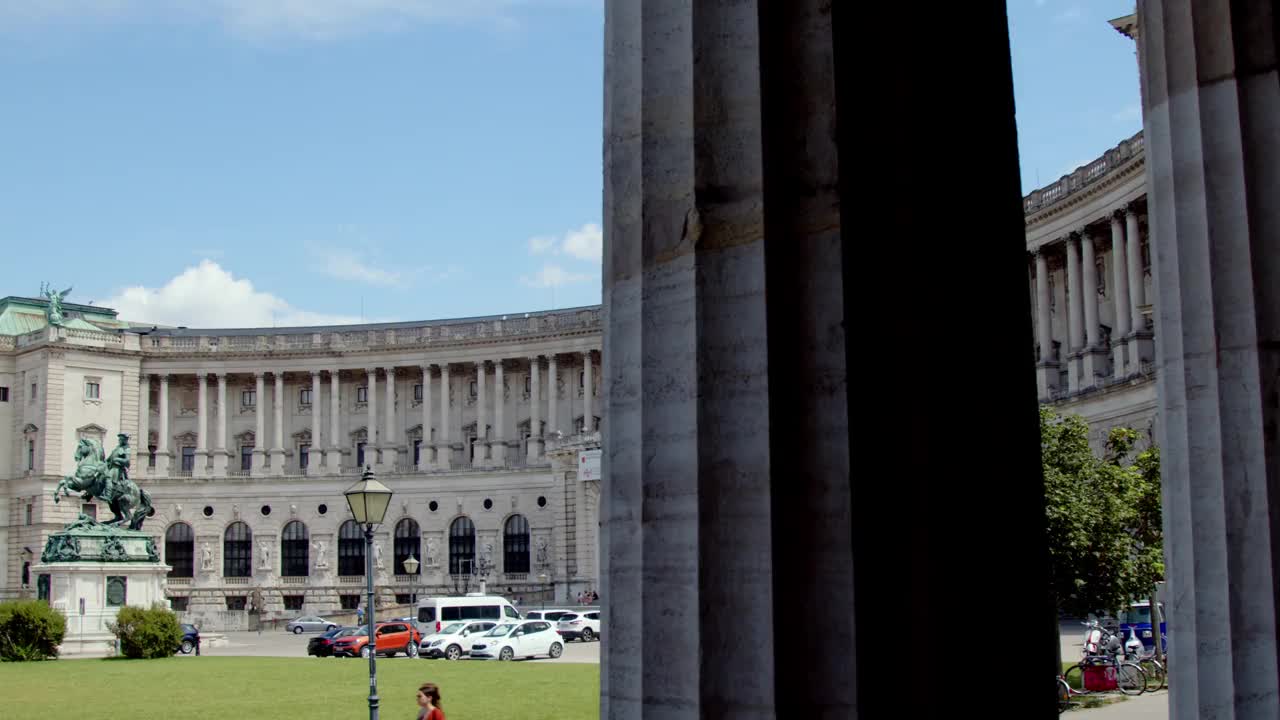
(248,688)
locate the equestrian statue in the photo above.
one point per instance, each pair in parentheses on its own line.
(106,477)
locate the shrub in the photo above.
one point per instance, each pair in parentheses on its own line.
(144,633)
(30,630)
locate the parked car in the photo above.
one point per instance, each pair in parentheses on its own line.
(309,623)
(512,640)
(322,645)
(452,641)
(579,626)
(436,612)
(393,637)
(190,639)
(550,615)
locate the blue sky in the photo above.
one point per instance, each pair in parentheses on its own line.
(253,162)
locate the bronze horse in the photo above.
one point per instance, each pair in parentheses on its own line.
(127,501)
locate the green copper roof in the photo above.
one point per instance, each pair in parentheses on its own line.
(21,315)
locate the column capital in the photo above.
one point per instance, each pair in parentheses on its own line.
(278,375)
(1118,215)
(316,373)
(371,371)
(259,374)
(201,375)
(333,371)
(389,371)
(1074,236)
(164,378)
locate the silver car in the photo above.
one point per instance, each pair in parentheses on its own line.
(310,623)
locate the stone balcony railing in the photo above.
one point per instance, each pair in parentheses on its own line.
(1085,175)
(457,466)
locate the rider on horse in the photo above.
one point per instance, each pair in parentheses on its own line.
(117,466)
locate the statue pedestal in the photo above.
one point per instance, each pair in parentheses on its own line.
(94,570)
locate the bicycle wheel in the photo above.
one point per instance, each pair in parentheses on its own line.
(1064,696)
(1157,679)
(1130,679)
(1074,677)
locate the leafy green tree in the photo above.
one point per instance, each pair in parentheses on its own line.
(1103,516)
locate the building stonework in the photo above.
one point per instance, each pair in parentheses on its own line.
(246,438)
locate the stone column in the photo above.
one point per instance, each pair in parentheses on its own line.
(1075,310)
(390,440)
(260,426)
(371,412)
(277,435)
(220,453)
(588,394)
(1213,173)
(424,455)
(1120,291)
(498,445)
(1093,362)
(444,450)
(481,445)
(141,464)
(163,457)
(1141,348)
(317,427)
(333,458)
(534,451)
(1047,367)
(202,426)
(553,397)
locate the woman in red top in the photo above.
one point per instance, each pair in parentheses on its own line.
(429,701)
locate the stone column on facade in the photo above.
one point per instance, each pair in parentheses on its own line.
(202,426)
(1213,152)
(371,417)
(1120,291)
(534,451)
(315,453)
(588,394)
(259,426)
(1047,367)
(1141,347)
(141,465)
(481,444)
(163,457)
(220,454)
(553,399)
(1075,312)
(498,445)
(424,452)
(444,449)
(333,454)
(1093,360)
(277,434)
(389,439)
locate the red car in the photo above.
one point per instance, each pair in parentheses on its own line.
(393,637)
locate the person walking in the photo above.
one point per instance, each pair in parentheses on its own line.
(429,707)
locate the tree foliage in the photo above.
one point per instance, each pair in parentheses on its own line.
(30,630)
(1104,516)
(147,633)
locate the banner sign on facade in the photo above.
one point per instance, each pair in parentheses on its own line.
(589,465)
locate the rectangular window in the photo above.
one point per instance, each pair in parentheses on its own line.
(292,602)
(426,614)
(249,398)
(30,510)
(417,392)
(304,455)
(304,396)
(417,452)
(360,455)
(528,384)
(582,378)
(474,391)
(188,458)
(404,599)
(349,602)
(246,458)
(362,394)
(151,456)
(34,387)
(4,394)
(236,602)
(90,510)
(31,454)
(178,604)
(92,390)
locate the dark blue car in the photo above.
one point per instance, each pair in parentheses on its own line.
(190,639)
(1138,617)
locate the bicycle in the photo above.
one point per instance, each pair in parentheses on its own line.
(1129,678)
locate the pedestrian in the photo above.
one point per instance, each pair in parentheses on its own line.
(595,597)
(359,615)
(429,702)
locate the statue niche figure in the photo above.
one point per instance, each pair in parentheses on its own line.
(54,313)
(106,477)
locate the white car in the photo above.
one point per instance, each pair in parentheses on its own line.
(548,615)
(579,626)
(454,639)
(511,640)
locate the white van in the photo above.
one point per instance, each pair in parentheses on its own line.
(434,612)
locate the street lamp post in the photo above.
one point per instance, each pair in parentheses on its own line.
(368,500)
(411,569)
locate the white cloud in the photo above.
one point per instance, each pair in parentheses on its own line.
(208,296)
(551,276)
(584,243)
(345,265)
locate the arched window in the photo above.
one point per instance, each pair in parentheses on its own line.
(408,542)
(180,550)
(237,551)
(350,549)
(462,546)
(294,550)
(515,545)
